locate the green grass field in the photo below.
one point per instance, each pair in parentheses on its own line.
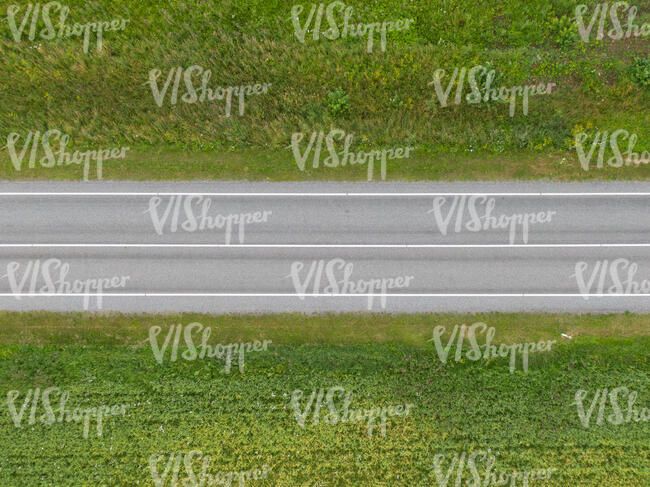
(102,99)
(245,420)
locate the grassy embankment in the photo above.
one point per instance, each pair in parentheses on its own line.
(101,99)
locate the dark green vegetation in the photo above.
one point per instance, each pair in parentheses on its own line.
(244,420)
(101,99)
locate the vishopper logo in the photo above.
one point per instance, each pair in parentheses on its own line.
(615,11)
(480,466)
(58,156)
(64,30)
(40,278)
(204,93)
(346,157)
(475,353)
(479,209)
(615,397)
(76,415)
(601,141)
(338,274)
(346,415)
(204,350)
(191,214)
(485,93)
(342,28)
(609,277)
(178,461)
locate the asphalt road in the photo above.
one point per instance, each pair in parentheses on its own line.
(314,247)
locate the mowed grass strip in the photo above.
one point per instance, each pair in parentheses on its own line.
(90,329)
(244,420)
(253,164)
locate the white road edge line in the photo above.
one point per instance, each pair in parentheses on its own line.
(379,246)
(332,295)
(312,194)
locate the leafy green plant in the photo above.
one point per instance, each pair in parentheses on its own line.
(338,102)
(640,71)
(562,31)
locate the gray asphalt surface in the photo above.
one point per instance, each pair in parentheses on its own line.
(100,236)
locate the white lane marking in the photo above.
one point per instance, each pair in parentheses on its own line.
(331,295)
(319,246)
(313,194)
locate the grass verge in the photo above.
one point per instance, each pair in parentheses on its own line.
(384,99)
